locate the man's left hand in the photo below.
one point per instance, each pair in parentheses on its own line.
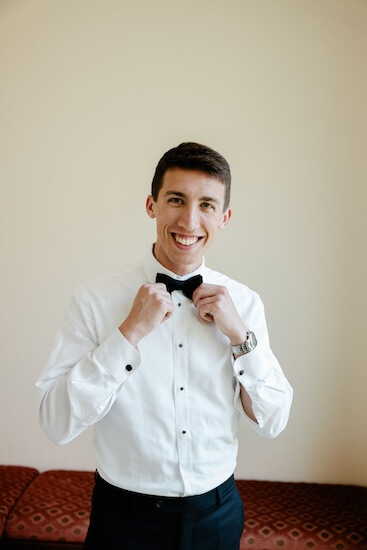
(214,303)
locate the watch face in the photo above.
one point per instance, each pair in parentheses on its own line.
(251,340)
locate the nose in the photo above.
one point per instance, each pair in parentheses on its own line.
(189,218)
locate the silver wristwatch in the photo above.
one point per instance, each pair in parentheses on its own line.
(248,345)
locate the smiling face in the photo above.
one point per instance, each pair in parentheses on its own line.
(188,212)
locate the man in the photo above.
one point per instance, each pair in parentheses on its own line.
(165,372)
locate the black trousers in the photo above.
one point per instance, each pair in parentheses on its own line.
(123,520)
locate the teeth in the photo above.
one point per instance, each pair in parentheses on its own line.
(186,241)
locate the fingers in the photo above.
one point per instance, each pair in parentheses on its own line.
(214,303)
(164,297)
(205,290)
(157,299)
(152,306)
(206,308)
(208,300)
(159,286)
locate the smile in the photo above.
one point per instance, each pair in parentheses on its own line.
(185,241)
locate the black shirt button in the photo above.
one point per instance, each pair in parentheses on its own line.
(180,345)
(128,368)
(183,431)
(241,372)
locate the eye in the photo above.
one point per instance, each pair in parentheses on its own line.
(175,200)
(207,206)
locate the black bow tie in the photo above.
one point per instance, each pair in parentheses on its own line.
(188,287)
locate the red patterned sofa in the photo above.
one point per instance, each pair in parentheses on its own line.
(50,510)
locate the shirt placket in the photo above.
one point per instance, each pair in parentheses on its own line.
(181,382)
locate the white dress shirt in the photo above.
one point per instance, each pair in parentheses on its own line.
(165,414)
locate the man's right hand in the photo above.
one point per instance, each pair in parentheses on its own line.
(152,306)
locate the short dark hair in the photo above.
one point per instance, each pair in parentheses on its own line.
(193,156)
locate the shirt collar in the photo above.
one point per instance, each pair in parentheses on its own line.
(152,267)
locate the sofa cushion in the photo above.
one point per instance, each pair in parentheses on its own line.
(55,507)
(13,481)
(303,516)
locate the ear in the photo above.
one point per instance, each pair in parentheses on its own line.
(149,206)
(225,219)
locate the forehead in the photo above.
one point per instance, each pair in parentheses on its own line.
(193,184)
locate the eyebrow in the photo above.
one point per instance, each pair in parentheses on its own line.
(182,195)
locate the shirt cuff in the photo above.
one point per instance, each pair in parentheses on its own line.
(251,369)
(117,356)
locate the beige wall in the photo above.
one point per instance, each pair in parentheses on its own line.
(93,92)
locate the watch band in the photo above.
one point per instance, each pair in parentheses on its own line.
(248,345)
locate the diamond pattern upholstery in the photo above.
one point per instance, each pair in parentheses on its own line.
(55,508)
(303,516)
(13,481)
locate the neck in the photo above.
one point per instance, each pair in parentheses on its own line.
(180,270)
